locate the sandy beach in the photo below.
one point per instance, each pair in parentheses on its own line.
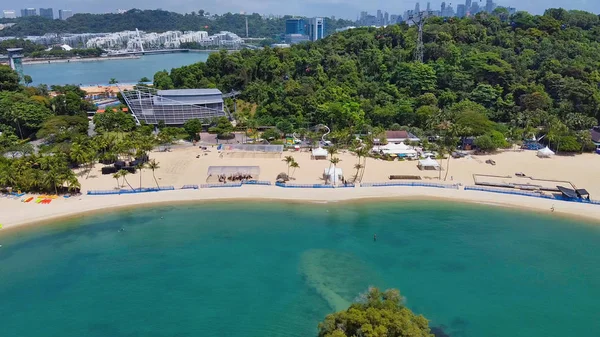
(181,167)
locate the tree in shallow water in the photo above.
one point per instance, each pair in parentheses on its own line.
(376,313)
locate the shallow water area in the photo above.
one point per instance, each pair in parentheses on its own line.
(276,269)
(100,72)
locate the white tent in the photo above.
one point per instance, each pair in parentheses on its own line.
(428,164)
(319,153)
(401,150)
(333,175)
(545,153)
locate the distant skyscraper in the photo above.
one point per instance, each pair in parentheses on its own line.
(28,12)
(417,7)
(428,6)
(443,8)
(295,26)
(474,8)
(316,29)
(386,18)
(9,14)
(393,19)
(489,6)
(468,4)
(64,14)
(47,13)
(379,17)
(461,11)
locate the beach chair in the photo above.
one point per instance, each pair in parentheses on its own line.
(29,199)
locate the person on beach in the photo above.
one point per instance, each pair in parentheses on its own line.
(552,208)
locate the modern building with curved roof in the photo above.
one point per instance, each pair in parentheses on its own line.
(174,107)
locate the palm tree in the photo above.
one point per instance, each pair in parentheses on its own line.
(124,173)
(51,180)
(334,161)
(153,165)
(363,153)
(73,183)
(288,161)
(113,81)
(332,150)
(140,166)
(294,165)
(117,176)
(358,167)
(77,154)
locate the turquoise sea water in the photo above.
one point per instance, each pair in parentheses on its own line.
(276,269)
(100,72)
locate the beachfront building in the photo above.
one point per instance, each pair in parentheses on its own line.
(596,137)
(400,137)
(174,107)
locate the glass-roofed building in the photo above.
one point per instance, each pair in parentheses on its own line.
(174,107)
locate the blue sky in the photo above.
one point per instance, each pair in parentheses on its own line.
(339,8)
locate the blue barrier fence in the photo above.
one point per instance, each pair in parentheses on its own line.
(455,187)
(189,187)
(134,191)
(256,182)
(531,194)
(221,185)
(303,185)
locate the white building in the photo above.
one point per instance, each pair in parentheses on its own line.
(316,29)
(9,14)
(64,14)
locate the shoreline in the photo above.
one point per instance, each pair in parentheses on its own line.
(78,207)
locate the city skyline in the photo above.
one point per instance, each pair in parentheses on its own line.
(347,9)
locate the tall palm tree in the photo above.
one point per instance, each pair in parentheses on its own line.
(332,150)
(357,167)
(153,165)
(117,176)
(288,160)
(73,184)
(77,154)
(334,161)
(363,153)
(140,166)
(124,173)
(294,165)
(51,180)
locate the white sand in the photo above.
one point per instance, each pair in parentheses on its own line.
(181,167)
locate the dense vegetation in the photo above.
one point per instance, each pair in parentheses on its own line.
(481,76)
(57,118)
(376,314)
(157,21)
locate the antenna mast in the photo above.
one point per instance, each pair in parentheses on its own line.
(420,49)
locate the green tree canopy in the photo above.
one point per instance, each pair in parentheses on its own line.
(376,314)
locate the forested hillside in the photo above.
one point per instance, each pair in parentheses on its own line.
(481,74)
(156,21)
